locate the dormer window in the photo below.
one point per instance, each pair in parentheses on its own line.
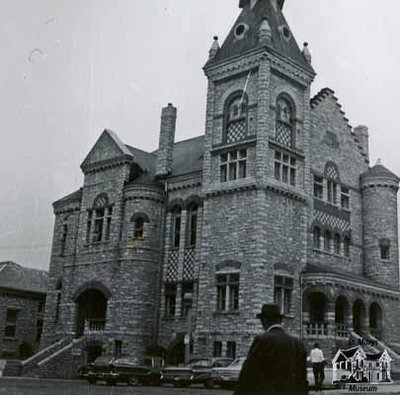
(285,121)
(236,118)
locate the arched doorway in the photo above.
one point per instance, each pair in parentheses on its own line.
(91,306)
(317,308)
(341,316)
(94,349)
(176,353)
(375,320)
(359,316)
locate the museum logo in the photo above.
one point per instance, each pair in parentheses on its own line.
(363,388)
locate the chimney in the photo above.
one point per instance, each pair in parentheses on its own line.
(167,138)
(361,133)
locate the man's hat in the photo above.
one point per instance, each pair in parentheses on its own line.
(270,312)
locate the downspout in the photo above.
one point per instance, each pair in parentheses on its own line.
(301,307)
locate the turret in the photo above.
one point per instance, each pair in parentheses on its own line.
(380,234)
(361,133)
(166,142)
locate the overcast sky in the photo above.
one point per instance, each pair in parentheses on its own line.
(70,68)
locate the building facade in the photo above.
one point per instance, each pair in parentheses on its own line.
(276,202)
(22,306)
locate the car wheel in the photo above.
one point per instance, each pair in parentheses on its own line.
(134,381)
(209,383)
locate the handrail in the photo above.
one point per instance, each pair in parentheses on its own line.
(43,351)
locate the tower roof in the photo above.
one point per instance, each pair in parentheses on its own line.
(250,19)
(379,171)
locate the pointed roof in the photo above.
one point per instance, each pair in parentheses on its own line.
(107,147)
(15,277)
(379,171)
(252,17)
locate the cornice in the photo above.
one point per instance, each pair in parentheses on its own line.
(230,187)
(107,164)
(68,210)
(286,191)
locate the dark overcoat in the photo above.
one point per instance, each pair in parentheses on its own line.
(276,364)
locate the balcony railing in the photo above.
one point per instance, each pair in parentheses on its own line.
(375,332)
(342,330)
(315,329)
(94,326)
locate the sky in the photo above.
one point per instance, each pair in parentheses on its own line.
(71,68)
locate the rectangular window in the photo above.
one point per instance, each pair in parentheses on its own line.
(228,292)
(318,187)
(11,323)
(108,223)
(233,165)
(231,349)
(41,307)
(385,252)
(177,230)
(187,298)
(217,349)
(283,293)
(345,198)
(170,299)
(332,192)
(285,168)
(98,225)
(117,348)
(39,329)
(89,226)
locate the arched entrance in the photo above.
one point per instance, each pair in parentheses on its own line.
(375,320)
(91,307)
(341,316)
(94,349)
(176,353)
(359,316)
(316,311)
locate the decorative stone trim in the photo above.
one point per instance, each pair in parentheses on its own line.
(285,191)
(248,141)
(274,144)
(232,187)
(107,164)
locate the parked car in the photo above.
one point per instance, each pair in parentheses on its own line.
(99,369)
(228,376)
(197,371)
(126,369)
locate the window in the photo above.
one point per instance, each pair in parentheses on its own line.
(283,293)
(235,121)
(101,214)
(217,349)
(41,307)
(346,246)
(285,121)
(336,243)
(192,225)
(345,198)
(385,252)
(228,292)
(231,349)
(58,289)
(176,226)
(318,187)
(11,323)
(187,298)
(170,299)
(138,228)
(327,241)
(63,239)
(332,191)
(117,348)
(317,238)
(285,168)
(233,165)
(39,329)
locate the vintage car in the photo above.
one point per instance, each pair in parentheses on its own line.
(129,370)
(226,377)
(197,371)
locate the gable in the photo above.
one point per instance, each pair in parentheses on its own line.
(107,148)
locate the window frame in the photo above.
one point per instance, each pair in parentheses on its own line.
(170,293)
(318,187)
(243,117)
(283,293)
(192,222)
(285,171)
(233,165)
(227,286)
(176,227)
(11,322)
(345,197)
(292,121)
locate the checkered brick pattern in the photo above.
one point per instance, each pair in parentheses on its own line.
(331,173)
(172,269)
(283,134)
(331,221)
(189,264)
(236,131)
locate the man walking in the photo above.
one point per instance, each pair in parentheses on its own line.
(276,362)
(318,362)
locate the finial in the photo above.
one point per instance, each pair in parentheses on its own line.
(264,33)
(379,162)
(214,47)
(306,53)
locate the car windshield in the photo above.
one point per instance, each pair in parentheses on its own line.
(237,362)
(200,363)
(126,361)
(104,359)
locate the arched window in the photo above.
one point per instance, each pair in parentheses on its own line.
(236,117)
(332,175)
(336,243)
(285,121)
(176,226)
(99,220)
(58,289)
(192,225)
(327,241)
(317,238)
(139,220)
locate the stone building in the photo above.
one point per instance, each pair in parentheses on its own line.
(22,301)
(276,202)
